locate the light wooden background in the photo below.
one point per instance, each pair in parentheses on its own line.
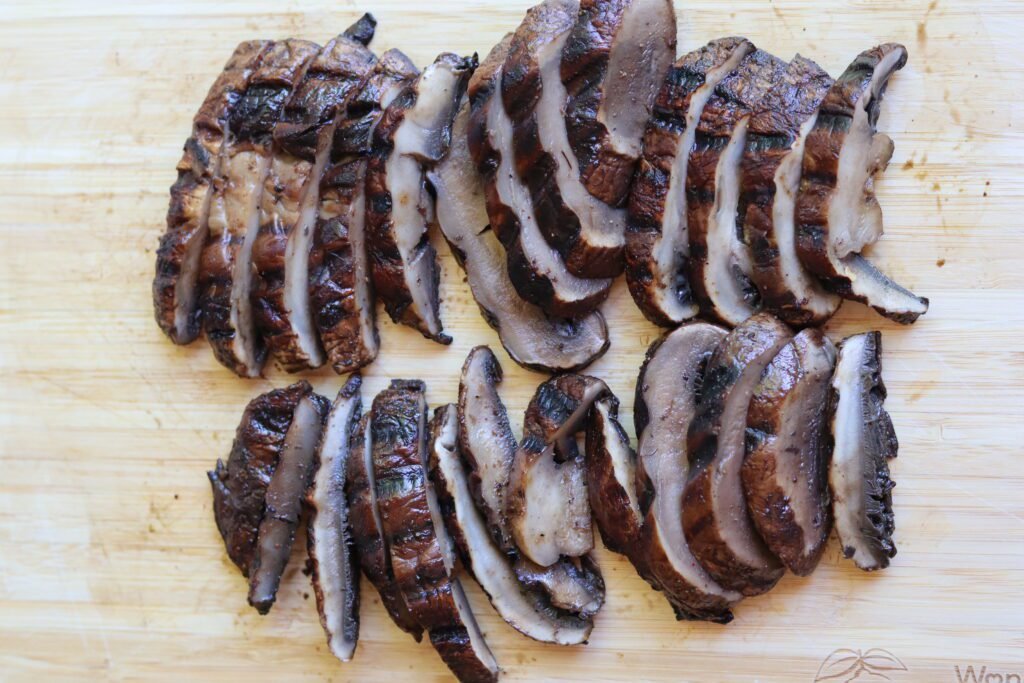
(110,564)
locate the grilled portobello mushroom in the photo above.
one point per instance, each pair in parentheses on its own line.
(422,554)
(531,338)
(340,289)
(333,566)
(865,441)
(771,167)
(667,392)
(413,134)
(717,525)
(175,284)
(657,239)
(785,469)
(837,220)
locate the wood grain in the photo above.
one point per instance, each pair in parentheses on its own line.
(110,564)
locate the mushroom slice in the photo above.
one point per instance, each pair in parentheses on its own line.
(285,493)
(547,503)
(611,480)
(414,133)
(785,469)
(291,197)
(341,293)
(531,338)
(666,400)
(657,242)
(526,608)
(488,448)
(613,64)
(587,232)
(715,518)
(368,532)
(240,486)
(719,264)
(771,169)
(837,212)
(535,269)
(864,442)
(422,554)
(175,289)
(332,556)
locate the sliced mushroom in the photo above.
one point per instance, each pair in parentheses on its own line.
(864,442)
(175,289)
(422,554)
(291,197)
(488,448)
(719,264)
(240,486)
(226,273)
(368,532)
(547,503)
(657,242)
(666,400)
(285,493)
(526,608)
(613,64)
(413,134)
(771,170)
(715,518)
(532,339)
(332,555)
(535,268)
(785,469)
(611,480)
(341,292)
(587,232)
(837,212)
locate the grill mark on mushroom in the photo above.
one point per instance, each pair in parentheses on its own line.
(715,518)
(611,480)
(175,284)
(771,169)
(240,485)
(368,533)
(865,440)
(288,211)
(613,64)
(657,243)
(666,401)
(413,135)
(586,232)
(422,555)
(532,339)
(785,469)
(535,268)
(719,264)
(526,608)
(341,291)
(333,564)
(837,212)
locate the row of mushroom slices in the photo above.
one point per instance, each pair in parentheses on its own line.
(725,183)
(753,445)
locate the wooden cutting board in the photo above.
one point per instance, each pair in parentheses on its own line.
(110,564)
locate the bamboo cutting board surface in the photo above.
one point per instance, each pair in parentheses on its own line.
(110,563)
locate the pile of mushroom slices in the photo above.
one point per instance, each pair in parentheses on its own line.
(418,505)
(723,184)
(753,445)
